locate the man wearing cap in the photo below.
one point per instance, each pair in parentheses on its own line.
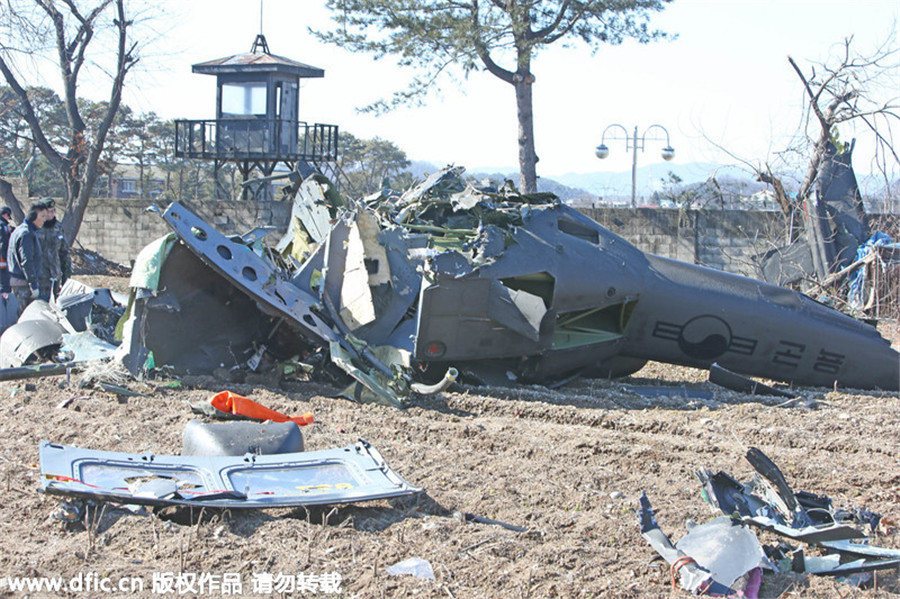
(55,265)
(5,231)
(24,256)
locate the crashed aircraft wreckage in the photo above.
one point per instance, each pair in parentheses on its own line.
(402,290)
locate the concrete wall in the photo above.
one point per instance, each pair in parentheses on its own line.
(118,229)
(722,239)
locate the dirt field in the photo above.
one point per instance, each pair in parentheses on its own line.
(566,465)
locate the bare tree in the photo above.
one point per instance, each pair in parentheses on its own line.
(849,91)
(67,29)
(850,88)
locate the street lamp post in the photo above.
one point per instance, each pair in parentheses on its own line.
(634,144)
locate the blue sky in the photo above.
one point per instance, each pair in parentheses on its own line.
(725,78)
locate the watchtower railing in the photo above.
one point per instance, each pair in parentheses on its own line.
(256,139)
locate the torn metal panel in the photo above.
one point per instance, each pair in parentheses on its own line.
(860,548)
(377,264)
(724,547)
(343,475)
(446,181)
(377,386)
(249,272)
(787,265)
(783,496)
(313,210)
(356,308)
(735,382)
(85,347)
(839,196)
(769,503)
(25,338)
(201,322)
(812,535)
(691,575)
(475,319)
(393,299)
(239,438)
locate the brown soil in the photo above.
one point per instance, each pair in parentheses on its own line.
(567,465)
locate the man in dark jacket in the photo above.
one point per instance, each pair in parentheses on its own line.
(24,256)
(5,231)
(55,264)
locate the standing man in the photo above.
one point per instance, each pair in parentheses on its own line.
(5,231)
(24,256)
(55,265)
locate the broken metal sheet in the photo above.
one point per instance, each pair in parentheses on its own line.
(249,272)
(355,307)
(311,216)
(830,565)
(787,265)
(861,548)
(239,438)
(731,497)
(769,503)
(22,340)
(376,386)
(85,347)
(377,264)
(343,475)
(847,222)
(783,495)
(104,297)
(201,322)
(446,181)
(41,310)
(394,299)
(691,575)
(466,199)
(725,548)
(256,234)
(735,382)
(809,534)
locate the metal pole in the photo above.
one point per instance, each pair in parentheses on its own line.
(634,147)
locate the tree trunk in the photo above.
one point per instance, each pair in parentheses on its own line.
(9,197)
(525,114)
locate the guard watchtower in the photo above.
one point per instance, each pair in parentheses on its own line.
(256,125)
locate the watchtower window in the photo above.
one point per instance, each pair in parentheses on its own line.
(244,99)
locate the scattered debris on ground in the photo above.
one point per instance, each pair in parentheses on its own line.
(724,557)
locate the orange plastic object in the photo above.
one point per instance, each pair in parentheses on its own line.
(233,403)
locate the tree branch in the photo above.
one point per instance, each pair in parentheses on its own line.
(31,118)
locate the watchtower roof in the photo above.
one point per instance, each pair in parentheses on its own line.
(258,60)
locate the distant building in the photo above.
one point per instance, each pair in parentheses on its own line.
(126,182)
